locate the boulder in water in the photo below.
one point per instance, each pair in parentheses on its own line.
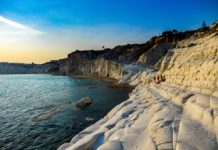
(84,102)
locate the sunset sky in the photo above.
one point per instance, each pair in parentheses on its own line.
(42,30)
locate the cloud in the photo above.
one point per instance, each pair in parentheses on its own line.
(19,26)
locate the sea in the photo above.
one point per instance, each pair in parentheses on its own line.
(37,112)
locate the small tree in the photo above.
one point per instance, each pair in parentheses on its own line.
(204,25)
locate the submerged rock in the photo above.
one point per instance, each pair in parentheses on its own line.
(51,112)
(48,114)
(84,102)
(89,119)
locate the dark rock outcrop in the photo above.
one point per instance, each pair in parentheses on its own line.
(84,102)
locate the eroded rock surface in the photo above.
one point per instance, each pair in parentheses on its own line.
(180,112)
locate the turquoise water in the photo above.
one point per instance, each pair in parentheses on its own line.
(25,97)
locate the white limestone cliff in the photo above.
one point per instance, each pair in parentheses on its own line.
(181,112)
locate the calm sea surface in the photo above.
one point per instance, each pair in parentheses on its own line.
(36,111)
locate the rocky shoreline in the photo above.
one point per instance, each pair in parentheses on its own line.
(174,107)
(175,101)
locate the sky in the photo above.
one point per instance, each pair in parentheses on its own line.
(42,30)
